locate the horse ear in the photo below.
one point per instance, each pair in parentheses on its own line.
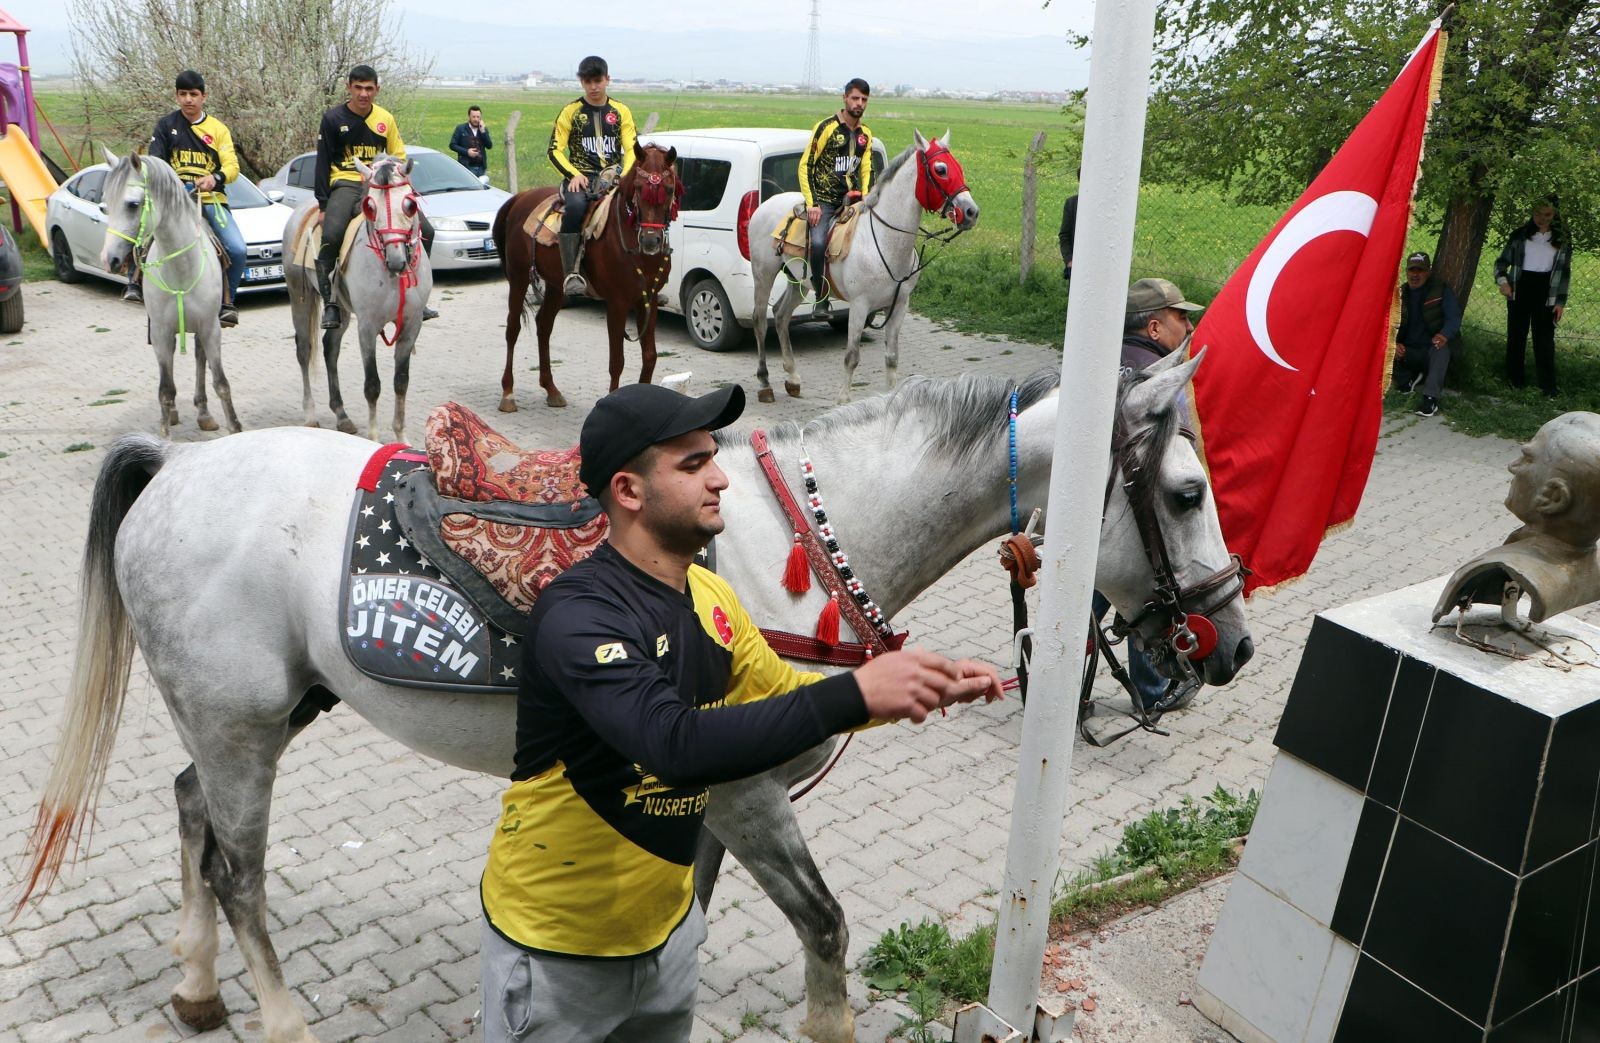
(672,155)
(916,136)
(945,140)
(638,152)
(1165,381)
(111,157)
(133,158)
(364,170)
(410,162)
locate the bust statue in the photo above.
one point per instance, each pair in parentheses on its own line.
(1555,493)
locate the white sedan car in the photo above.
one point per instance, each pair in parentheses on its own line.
(459,205)
(77,229)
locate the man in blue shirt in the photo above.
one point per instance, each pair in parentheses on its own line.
(1430,318)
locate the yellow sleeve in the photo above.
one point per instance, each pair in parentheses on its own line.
(805,162)
(559,137)
(866,162)
(230,159)
(630,135)
(392,141)
(758,673)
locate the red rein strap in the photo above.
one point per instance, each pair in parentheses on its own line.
(797,646)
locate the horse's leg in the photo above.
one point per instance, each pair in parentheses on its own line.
(646,314)
(516,303)
(203,419)
(372,384)
(891,339)
(330,362)
(197,1000)
(166,387)
(763,290)
(708,854)
(402,379)
(219,381)
(755,820)
(852,351)
(303,350)
(554,297)
(616,326)
(781,314)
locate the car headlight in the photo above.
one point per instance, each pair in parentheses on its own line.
(449,224)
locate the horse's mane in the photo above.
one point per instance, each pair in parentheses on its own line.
(166,192)
(966,415)
(889,170)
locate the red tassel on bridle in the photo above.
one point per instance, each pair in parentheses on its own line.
(797,573)
(828,622)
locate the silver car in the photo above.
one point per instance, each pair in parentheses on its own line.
(77,229)
(460,206)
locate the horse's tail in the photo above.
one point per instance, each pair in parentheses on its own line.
(498,232)
(99,669)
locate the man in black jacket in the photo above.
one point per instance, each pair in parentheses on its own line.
(1430,318)
(471,143)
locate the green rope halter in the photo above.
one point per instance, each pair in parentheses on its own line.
(152,269)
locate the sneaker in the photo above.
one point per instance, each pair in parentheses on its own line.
(1429,406)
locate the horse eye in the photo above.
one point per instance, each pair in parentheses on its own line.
(941,169)
(1189,499)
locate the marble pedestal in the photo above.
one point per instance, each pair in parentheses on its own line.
(1423,865)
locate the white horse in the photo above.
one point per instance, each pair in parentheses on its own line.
(153,219)
(883,265)
(387,279)
(269,590)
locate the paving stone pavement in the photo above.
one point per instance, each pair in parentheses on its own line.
(376,852)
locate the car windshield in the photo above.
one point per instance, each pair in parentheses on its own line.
(435,172)
(244,195)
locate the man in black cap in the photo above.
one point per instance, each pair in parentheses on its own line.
(644,682)
(1430,318)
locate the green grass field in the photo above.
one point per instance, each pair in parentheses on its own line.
(1194,237)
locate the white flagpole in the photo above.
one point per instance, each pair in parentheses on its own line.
(1113,139)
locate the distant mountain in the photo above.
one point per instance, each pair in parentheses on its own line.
(1026,63)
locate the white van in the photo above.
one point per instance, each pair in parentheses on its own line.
(727,173)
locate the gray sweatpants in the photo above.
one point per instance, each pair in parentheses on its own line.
(554,999)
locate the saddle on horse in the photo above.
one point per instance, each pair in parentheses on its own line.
(307,241)
(793,237)
(544,220)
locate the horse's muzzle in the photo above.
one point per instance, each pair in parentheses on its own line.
(963,215)
(396,258)
(651,243)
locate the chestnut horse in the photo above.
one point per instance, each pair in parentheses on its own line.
(626,266)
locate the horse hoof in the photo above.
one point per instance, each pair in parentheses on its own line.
(312,423)
(200,1015)
(556,401)
(347,426)
(172,418)
(206,423)
(508,404)
(792,388)
(235,427)
(765,395)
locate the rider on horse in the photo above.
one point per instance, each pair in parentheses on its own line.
(357,129)
(592,146)
(835,170)
(199,149)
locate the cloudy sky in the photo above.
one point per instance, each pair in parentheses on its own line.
(977,44)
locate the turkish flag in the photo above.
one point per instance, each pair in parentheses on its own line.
(1298,342)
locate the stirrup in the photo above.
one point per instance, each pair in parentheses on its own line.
(575,283)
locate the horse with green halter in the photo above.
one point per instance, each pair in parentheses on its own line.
(152,219)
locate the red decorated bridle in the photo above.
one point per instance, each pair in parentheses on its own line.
(940,180)
(387,229)
(662,192)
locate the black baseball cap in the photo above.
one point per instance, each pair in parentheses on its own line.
(633,418)
(1418,260)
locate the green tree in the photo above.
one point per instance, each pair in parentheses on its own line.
(271,66)
(1256,95)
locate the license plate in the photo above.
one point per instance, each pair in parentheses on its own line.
(264,271)
(488,244)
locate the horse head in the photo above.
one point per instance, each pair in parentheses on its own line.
(1163,562)
(123,201)
(390,205)
(941,184)
(651,193)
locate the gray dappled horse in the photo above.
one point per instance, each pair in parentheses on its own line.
(152,218)
(915,481)
(387,279)
(883,265)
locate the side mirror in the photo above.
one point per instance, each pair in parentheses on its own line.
(483,179)
(275,194)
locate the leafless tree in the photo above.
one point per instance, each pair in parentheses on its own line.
(271,66)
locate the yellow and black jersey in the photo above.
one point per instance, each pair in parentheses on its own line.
(837,160)
(345,137)
(635,697)
(588,138)
(195,150)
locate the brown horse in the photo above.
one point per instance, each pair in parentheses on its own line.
(626,266)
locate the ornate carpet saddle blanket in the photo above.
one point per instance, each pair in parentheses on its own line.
(793,235)
(544,220)
(449,548)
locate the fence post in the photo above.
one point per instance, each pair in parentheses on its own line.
(511,149)
(1030,194)
(650,123)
